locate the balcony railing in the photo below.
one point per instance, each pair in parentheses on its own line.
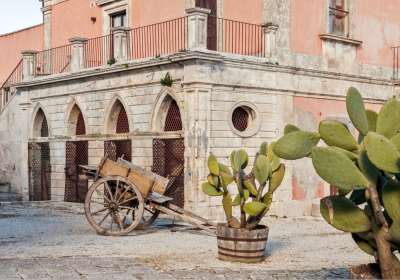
(7,90)
(53,61)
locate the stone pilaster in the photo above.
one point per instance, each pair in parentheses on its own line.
(269,39)
(278,11)
(78,58)
(29,64)
(120,36)
(197,28)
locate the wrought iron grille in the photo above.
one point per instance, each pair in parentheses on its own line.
(173,121)
(76,187)
(44,132)
(169,162)
(118,148)
(80,125)
(39,171)
(122,122)
(240,118)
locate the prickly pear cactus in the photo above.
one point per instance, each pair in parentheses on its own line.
(253,203)
(367,169)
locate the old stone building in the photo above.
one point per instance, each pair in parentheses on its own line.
(240,70)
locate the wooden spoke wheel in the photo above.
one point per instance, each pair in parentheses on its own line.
(149,216)
(110,202)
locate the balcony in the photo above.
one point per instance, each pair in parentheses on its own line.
(196,32)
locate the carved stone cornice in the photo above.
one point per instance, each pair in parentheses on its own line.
(46,9)
(340,39)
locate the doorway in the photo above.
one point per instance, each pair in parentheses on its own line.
(212,22)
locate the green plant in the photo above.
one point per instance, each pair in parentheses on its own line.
(167,81)
(267,168)
(368,168)
(158,56)
(111,61)
(183,50)
(126,65)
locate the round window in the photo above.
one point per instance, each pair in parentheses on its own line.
(244,119)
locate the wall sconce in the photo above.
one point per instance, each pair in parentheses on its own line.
(93,19)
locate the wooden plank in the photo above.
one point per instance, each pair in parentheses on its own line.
(160,198)
(112,168)
(161,183)
(190,214)
(88,167)
(180,217)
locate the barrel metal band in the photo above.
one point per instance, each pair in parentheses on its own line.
(242,240)
(242,257)
(241,251)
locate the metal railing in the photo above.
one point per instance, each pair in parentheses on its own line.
(158,39)
(53,61)
(395,62)
(235,37)
(99,51)
(7,90)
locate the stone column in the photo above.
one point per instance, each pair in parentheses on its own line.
(197,28)
(47,7)
(269,39)
(29,64)
(78,58)
(120,38)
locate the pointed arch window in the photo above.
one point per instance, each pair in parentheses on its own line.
(173,121)
(80,125)
(44,131)
(122,122)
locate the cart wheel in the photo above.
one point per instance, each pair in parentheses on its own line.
(112,200)
(147,219)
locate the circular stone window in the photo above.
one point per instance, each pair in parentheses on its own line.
(244,119)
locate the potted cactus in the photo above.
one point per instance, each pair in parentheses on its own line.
(244,239)
(368,168)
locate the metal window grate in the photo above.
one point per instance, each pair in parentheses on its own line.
(44,132)
(173,121)
(169,162)
(118,148)
(240,119)
(76,187)
(39,171)
(80,125)
(122,122)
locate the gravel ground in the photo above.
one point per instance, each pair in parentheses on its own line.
(296,248)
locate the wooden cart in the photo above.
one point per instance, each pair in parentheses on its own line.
(124,197)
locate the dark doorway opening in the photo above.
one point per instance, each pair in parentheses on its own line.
(39,171)
(212,22)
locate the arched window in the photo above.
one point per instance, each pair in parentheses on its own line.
(40,125)
(173,121)
(122,122)
(80,125)
(44,132)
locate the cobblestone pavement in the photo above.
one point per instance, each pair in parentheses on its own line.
(130,269)
(55,241)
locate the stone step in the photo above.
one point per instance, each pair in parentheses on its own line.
(10,197)
(315,208)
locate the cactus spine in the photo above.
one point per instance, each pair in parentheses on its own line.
(368,168)
(267,169)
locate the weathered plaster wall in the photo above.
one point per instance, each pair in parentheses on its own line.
(378,26)
(72,19)
(12,44)
(305,26)
(241,11)
(10,145)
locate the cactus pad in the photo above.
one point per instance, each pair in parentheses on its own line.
(391,198)
(249,186)
(344,214)
(382,152)
(210,190)
(337,169)
(224,168)
(237,162)
(277,178)
(237,200)
(232,159)
(336,133)
(366,167)
(263,149)
(245,158)
(271,154)
(388,122)
(356,109)
(254,208)
(275,164)
(363,244)
(394,230)
(210,179)
(227,204)
(261,169)
(296,145)
(372,117)
(214,168)
(226,177)
(212,157)
(358,197)
(350,155)
(396,140)
(290,128)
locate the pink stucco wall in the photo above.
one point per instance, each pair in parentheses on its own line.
(72,19)
(306,25)
(321,108)
(378,26)
(11,46)
(244,11)
(146,12)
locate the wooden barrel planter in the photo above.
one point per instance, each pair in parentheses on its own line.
(240,245)
(365,271)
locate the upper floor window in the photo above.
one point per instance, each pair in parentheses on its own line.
(338,17)
(118,20)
